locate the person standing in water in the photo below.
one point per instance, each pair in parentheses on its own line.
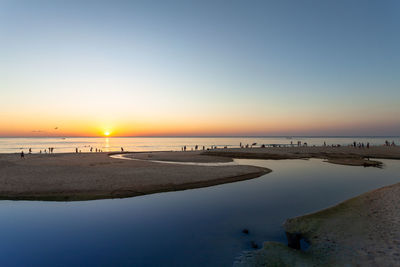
(22,155)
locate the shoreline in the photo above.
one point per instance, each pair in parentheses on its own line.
(336,155)
(359,231)
(332,232)
(90,176)
(86,196)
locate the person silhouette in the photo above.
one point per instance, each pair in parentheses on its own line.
(22,155)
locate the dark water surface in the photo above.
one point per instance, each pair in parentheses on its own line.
(200,227)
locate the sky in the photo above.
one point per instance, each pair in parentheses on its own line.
(182,68)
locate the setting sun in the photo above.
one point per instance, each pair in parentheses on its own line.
(107,133)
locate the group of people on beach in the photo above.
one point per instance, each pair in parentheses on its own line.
(360,145)
(49,150)
(387,143)
(355,144)
(195,148)
(92,149)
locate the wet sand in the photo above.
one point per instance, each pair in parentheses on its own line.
(86,176)
(177,156)
(338,155)
(362,231)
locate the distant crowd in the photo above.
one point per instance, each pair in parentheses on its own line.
(355,144)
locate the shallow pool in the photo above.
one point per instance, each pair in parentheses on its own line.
(199,227)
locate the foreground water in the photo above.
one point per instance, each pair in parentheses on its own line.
(200,227)
(16,145)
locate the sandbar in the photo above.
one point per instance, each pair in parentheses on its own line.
(344,155)
(86,176)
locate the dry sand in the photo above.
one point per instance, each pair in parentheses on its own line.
(95,175)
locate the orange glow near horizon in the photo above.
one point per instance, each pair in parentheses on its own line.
(40,125)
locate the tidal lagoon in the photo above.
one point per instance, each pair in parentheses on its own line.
(198,227)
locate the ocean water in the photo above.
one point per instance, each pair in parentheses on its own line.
(16,145)
(199,227)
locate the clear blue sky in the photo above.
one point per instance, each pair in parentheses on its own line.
(200,67)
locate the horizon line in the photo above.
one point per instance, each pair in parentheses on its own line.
(209,136)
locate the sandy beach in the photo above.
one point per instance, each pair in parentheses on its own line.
(83,176)
(344,155)
(362,231)
(86,176)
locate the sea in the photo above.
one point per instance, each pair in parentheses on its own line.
(109,144)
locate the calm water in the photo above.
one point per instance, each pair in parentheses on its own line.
(200,227)
(13,145)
